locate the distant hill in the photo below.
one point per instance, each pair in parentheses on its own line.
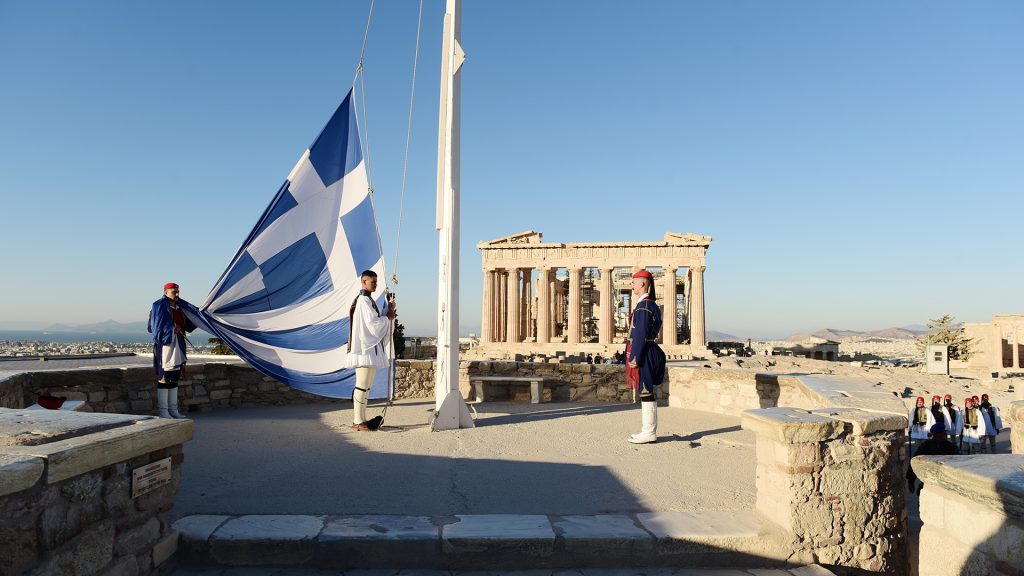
(715,336)
(838,335)
(106,327)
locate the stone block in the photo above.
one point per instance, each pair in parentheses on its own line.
(19,544)
(685,525)
(195,531)
(602,540)
(93,549)
(862,422)
(790,425)
(19,473)
(124,567)
(165,547)
(272,539)
(499,536)
(77,455)
(932,507)
(377,541)
(133,540)
(222,394)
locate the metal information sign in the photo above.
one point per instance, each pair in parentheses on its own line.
(150,477)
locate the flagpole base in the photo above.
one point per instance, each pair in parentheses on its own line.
(453,413)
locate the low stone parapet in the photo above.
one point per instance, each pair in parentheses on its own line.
(68,500)
(833,477)
(1015,421)
(972,509)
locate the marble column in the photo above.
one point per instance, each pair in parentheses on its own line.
(543,305)
(552,303)
(1016,347)
(528,303)
(574,306)
(697,307)
(502,305)
(512,318)
(996,362)
(604,332)
(485,318)
(669,320)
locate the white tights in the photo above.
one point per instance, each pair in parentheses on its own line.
(364,380)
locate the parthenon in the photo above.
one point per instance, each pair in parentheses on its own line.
(554,298)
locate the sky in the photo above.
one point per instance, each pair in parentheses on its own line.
(858,165)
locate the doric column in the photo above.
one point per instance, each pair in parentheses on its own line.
(513,318)
(502,304)
(544,305)
(485,318)
(604,332)
(669,320)
(527,303)
(697,307)
(1016,347)
(574,306)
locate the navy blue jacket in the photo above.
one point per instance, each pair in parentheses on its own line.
(644,349)
(161,325)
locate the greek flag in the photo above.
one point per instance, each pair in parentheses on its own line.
(283,303)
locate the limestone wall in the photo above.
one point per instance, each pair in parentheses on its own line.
(1015,420)
(133,390)
(972,508)
(725,391)
(66,506)
(833,480)
(217,385)
(831,464)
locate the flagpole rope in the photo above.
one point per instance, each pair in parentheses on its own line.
(408,139)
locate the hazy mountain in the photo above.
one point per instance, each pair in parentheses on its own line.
(838,335)
(106,327)
(715,336)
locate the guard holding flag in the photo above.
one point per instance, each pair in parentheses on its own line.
(168,325)
(368,328)
(645,361)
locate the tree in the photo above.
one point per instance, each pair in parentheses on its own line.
(219,347)
(399,339)
(944,330)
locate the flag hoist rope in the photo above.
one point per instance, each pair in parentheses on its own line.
(360,76)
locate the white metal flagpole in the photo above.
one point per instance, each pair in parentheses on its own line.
(450,410)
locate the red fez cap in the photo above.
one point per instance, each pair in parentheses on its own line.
(936,397)
(948,397)
(975,397)
(170,285)
(984,396)
(643,274)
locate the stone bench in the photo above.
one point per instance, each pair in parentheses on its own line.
(479,386)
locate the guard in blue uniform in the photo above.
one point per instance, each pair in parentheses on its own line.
(645,361)
(169,324)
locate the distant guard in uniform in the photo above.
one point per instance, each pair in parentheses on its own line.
(994,418)
(975,428)
(645,361)
(368,327)
(168,324)
(953,419)
(921,420)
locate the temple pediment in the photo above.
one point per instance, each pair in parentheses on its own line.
(525,237)
(687,239)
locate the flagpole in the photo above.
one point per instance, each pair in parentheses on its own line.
(450,410)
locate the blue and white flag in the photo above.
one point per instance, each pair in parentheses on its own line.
(283,303)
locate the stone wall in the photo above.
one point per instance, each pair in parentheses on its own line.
(834,481)
(133,390)
(217,385)
(972,509)
(569,382)
(66,507)
(726,391)
(1015,420)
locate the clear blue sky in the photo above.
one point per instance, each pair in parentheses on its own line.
(859,165)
